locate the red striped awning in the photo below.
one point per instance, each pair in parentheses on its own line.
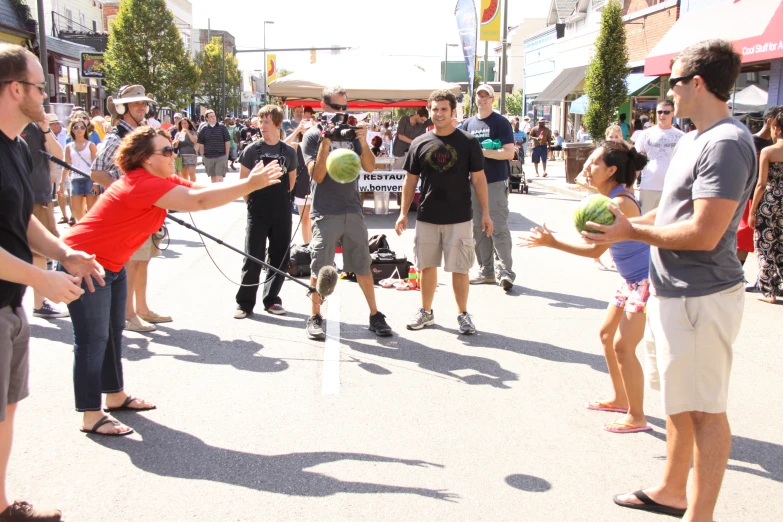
(755,27)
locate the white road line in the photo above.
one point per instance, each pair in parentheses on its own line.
(331,371)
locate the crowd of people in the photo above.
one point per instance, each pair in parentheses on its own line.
(675,243)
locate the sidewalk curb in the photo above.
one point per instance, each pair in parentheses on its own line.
(558,188)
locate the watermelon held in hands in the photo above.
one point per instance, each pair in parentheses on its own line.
(593,208)
(343,165)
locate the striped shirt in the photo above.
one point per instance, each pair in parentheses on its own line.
(214,140)
(107,152)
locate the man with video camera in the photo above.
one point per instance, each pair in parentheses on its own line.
(337,207)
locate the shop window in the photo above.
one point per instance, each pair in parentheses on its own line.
(69,19)
(63,75)
(752,77)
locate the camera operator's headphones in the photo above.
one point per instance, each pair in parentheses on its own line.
(128,94)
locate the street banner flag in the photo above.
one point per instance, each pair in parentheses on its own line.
(271,67)
(490,21)
(465,11)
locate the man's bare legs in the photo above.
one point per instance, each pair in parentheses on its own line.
(429,282)
(461,286)
(365,283)
(709,436)
(6,441)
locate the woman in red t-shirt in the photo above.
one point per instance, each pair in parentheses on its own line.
(123,218)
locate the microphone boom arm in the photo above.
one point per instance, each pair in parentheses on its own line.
(311,289)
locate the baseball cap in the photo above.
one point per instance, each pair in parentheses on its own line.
(486,88)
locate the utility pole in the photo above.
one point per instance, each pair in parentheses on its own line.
(42,52)
(266,65)
(503,67)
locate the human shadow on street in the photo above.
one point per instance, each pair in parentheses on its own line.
(62,334)
(204,348)
(488,372)
(766,455)
(519,223)
(172,453)
(560,300)
(528,483)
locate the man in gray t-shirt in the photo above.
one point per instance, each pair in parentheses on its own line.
(337,214)
(695,312)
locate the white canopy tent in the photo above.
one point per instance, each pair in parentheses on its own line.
(749,99)
(372,82)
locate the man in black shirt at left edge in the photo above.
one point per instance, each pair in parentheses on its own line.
(22,91)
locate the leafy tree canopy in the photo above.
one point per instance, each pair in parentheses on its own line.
(145,48)
(605,79)
(210,65)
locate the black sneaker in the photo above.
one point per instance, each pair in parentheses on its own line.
(315,328)
(506,283)
(49,311)
(465,324)
(21,511)
(379,326)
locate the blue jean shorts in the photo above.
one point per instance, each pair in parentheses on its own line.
(539,154)
(81,186)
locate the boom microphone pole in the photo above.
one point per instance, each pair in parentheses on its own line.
(327,276)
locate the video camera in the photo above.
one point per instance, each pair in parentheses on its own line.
(341,130)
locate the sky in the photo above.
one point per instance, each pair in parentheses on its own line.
(414,29)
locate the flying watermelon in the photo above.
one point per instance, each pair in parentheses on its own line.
(343,165)
(593,208)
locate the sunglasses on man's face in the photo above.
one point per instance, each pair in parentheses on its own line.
(664,112)
(673,81)
(167,151)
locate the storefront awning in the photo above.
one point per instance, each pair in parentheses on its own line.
(67,49)
(637,83)
(755,27)
(579,105)
(561,86)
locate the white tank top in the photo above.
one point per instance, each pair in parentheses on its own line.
(81,160)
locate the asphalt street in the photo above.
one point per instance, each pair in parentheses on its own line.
(256,422)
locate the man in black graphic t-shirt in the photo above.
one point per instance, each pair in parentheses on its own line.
(447,161)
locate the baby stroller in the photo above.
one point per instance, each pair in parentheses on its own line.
(517,180)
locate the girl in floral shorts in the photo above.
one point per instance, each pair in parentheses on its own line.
(611,170)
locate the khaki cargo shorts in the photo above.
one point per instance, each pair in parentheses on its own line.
(14,357)
(454,243)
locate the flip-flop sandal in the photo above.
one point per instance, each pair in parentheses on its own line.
(622,427)
(602,406)
(126,406)
(107,420)
(650,505)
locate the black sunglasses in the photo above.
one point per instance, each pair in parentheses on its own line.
(677,79)
(41,86)
(664,112)
(167,151)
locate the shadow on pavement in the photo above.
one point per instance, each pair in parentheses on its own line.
(519,223)
(560,300)
(528,483)
(205,348)
(171,453)
(488,372)
(766,455)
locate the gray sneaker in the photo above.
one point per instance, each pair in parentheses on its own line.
(482,280)
(315,328)
(466,326)
(421,319)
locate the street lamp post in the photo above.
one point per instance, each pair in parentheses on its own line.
(266,70)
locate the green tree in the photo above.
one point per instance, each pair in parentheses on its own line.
(283,72)
(515,103)
(210,65)
(605,79)
(145,48)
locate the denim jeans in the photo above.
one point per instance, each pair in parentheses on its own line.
(98,320)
